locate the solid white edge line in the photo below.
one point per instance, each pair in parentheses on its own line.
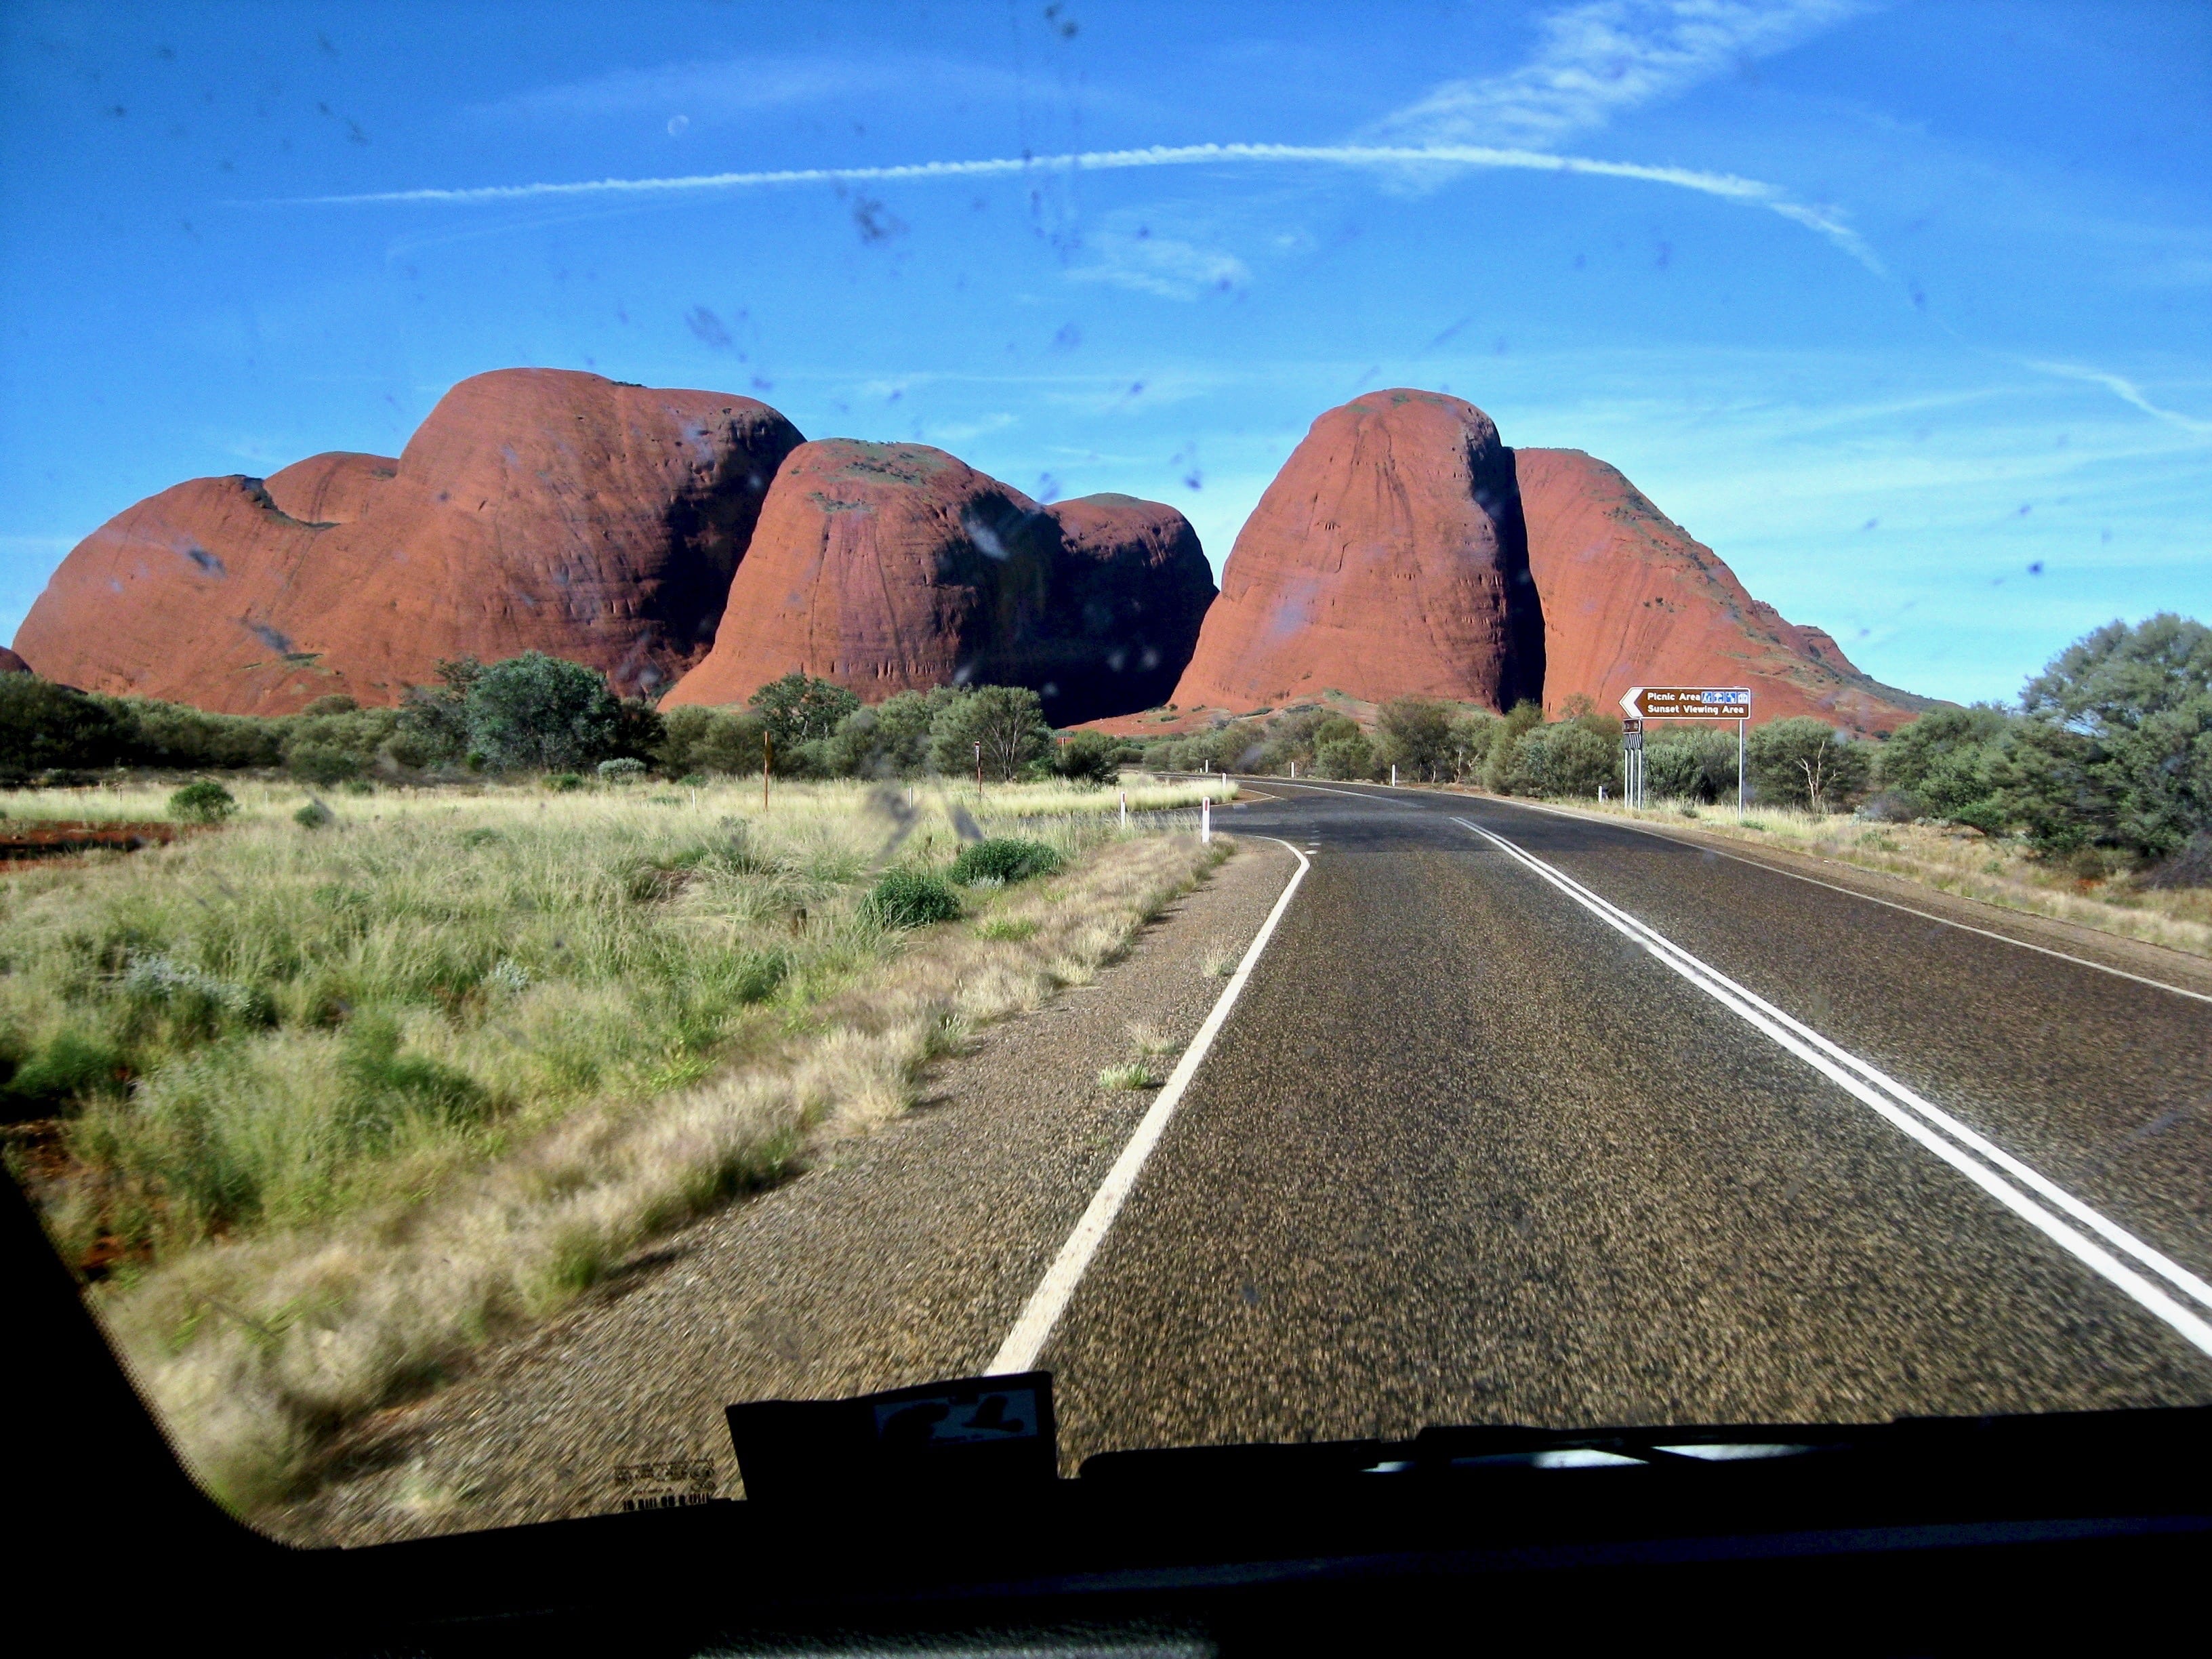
(2164,1265)
(1019,1351)
(1853,892)
(2122,1278)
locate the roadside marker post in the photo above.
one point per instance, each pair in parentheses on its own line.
(1206,821)
(1125,809)
(1393,775)
(1640,703)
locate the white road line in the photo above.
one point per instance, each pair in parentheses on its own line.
(1853,892)
(1019,1352)
(1934,1128)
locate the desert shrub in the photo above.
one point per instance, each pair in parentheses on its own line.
(623,768)
(70,1067)
(539,712)
(912,898)
(563,783)
(1505,740)
(205,801)
(1088,757)
(314,816)
(173,735)
(889,739)
(1415,734)
(1004,859)
(1566,760)
(1807,763)
(43,725)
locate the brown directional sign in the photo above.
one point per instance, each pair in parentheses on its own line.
(1688,702)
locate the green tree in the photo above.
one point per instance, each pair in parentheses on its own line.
(542,713)
(1341,750)
(798,709)
(1006,720)
(2117,748)
(1807,763)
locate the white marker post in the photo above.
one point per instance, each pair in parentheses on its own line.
(1206,821)
(1393,775)
(1125,809)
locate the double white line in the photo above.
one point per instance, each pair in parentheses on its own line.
(2100,1244)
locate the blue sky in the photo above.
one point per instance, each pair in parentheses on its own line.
(1905,309)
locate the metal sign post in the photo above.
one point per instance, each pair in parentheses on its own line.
(1640,703)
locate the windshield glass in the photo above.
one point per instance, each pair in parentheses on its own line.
(1334,718)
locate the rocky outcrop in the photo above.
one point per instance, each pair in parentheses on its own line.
(533,509)
(888,567)
(1630,598)
(1387,559)
(12,664)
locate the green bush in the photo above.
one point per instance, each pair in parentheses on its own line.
(912,898)
(70,1067)
(314,816)
(561,783)
(623,768)
(1088,757)
(204,802)
(43,726)
(1004,859)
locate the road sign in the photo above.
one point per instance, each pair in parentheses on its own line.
(1633,723)
(1687,702)
(1633,739)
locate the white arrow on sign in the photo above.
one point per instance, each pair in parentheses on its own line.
(1628,701)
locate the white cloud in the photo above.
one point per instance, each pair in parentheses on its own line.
(1173,268)
(1601,58)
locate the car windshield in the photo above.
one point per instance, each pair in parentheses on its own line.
(1334,718)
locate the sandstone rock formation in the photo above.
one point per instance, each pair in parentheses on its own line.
(1629,598)
(532,509)
(889,567)
(1387,559)
(12,664)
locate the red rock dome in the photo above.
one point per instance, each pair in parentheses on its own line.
(1387,559)
(1629,598)
(533,509)
(888,567)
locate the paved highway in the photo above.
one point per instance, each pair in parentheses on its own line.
(1522,1116)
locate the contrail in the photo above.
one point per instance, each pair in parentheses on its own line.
(1728,186)
(2127,391)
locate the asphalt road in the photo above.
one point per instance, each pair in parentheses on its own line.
(1465,1152)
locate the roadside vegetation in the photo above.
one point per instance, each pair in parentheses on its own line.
(333,1045)
(319,1110)
(2090,799)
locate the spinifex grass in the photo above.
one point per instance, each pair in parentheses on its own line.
(341,1102)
